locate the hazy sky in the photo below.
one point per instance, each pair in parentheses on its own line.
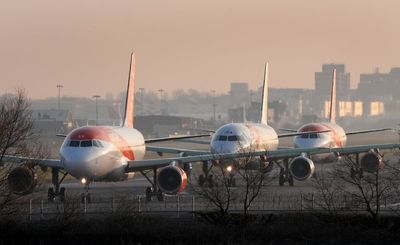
(85,44)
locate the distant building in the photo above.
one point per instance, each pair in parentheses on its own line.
(323,80)
(160,126)
(378,84)
(239,94)
(52,122)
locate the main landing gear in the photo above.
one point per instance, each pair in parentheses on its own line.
(355,166)
(206,178)
(285,175)
(56,191)
(153,190)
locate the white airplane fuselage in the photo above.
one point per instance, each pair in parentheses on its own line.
(242,137)
(336,137)
(101,153)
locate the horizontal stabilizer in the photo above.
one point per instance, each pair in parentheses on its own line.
(153,140)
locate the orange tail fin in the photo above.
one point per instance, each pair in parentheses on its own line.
(130,96)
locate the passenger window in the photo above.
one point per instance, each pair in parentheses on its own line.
(222,138)
(304,136)
(74,143)
(313,136)
(232,138)
(86,143)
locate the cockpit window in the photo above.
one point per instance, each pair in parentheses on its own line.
(222,138)
(86,143)
(97,143)
(74,143)
(233,138)
(311,136)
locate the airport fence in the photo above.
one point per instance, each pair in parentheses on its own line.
(185,206)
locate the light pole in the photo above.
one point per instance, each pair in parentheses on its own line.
(96,97)
(59,86)
(161,100)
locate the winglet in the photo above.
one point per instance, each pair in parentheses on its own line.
(264,105)
(130,96)
(332,112)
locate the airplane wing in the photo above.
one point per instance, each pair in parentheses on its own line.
(275,155)
(301,133)
(156,163)
(174,138)
(368,131)
(160,150)
(54,163)
(201,142)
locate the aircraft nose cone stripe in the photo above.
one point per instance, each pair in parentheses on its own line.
(335,139)
(105,134)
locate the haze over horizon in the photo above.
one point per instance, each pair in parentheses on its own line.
(205,45)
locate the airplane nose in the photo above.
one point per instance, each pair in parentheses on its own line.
(309,143)
(225,147)
(78,164)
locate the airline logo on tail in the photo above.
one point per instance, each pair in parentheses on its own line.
(130,96)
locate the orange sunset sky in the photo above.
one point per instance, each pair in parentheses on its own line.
(180,44)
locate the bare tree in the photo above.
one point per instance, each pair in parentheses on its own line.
(17,139)
(246,174)
(366,191)
(16,125)
(218,192)
(252,172)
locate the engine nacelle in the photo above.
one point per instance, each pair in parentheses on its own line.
(301,168)
(22,180)
(172,179)
(372,162)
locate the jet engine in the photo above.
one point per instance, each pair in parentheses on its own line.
(172,179)
(301,168)
(22,180)
(371,162)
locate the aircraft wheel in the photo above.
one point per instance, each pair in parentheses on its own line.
(290,180)
(161,196)
(281,180)
(201,180)
(210,180)
(62,194)
(86,197)
(50,194)
(149,192)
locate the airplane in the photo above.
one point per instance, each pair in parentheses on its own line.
(104,153)
(94,153)
(239,137)
(335,136)
(234,138)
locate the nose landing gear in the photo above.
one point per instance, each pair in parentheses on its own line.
(85,196)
